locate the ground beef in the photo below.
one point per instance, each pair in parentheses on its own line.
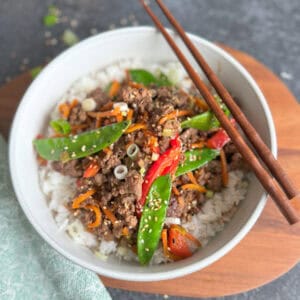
(71,168)
(213,173)
(189,136)
(108,162)
(77,115)
(164,93)
(134,183)
(174,209)
(99,96)
(181,99)
(120,196)
(142,98)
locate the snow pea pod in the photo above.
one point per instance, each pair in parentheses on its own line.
(195,159)
(153,217)
(81,145)
(146,78)
(61,126)
(205,121)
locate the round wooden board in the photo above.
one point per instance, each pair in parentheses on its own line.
(271,248)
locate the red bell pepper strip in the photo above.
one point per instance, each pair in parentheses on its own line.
(166,164)
(181,243)
(219,139)
(91,170)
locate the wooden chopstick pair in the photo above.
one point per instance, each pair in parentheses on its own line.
(281,190)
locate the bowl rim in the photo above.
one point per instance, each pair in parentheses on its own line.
(147,276)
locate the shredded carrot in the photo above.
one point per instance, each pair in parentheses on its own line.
(104,114)
(136,126)
(153,143)
(198,145)
(98,122)
(129,114)
(98,216)
(107,106)
(192,177)
(107,151)
(200,103)
(64,110)
(164,239)
(109,214)
(192,186)
(41,161)
(175,190)
(127,75)
(82,197)
(174,114)
(75,128)
(114,89)
(91,170)
(224,168)
(180,202)
(57,134)
(119,117)
(74,103)
(135,85)
(125,231)
(134,249)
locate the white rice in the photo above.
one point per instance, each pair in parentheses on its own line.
(60,189)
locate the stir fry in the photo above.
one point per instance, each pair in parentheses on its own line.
(146,155)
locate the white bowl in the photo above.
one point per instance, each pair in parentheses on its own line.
(97,52)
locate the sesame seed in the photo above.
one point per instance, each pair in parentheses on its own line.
(147,249)
(150,230)
(155,219)
(83,148)
(94,146)
(73,154)
(52,151)
(66,148)
(142,241)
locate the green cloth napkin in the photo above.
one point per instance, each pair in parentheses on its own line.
(29,268)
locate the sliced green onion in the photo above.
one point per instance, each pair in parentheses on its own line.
(120,172)
(133,150)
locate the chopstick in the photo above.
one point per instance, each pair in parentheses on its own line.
(262,150)
(268,182)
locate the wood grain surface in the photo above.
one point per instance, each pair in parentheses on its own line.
(271,248)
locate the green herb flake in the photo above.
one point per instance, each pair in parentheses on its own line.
(34,72)
(52,18)
(70,38)
(61,126)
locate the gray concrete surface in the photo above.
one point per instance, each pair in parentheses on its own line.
(269,30)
